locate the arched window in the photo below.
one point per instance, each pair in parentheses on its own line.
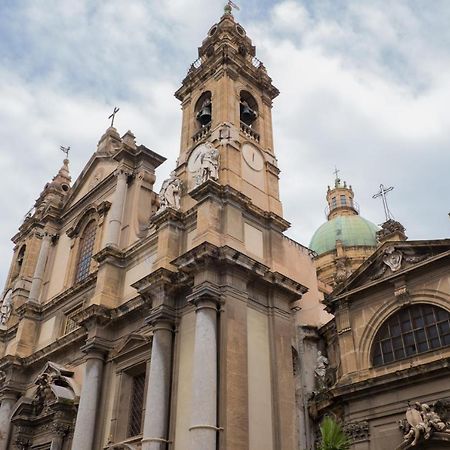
(203,110)
(86,248)
(412,330)
(248,108)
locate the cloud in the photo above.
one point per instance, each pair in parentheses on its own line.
(363,87)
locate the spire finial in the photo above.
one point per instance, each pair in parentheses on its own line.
(382,193)
(65,150)
(228,9)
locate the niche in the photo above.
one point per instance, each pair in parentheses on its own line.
(203,110)
(248,108)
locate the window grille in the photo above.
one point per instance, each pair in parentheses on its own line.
(412,330)
(137,405)
(86,249)
(70,325)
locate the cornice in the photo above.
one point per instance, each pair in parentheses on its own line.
(166,217)
(345,390)
(57,346)
(212,189)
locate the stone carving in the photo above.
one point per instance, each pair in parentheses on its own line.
(209,164)
(321,370)
(390,227)
(357,431)
(421,422)
(393,259)
(170,193)
(343,271)
(6,307)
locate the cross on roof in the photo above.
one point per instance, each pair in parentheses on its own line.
(336,172)
(382,193)
(113,115)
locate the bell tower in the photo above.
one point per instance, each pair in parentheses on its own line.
(226,100)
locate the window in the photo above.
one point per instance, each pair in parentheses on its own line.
(333,202)
(137,405)
(85,251)
(410,331)
(70,325)
(343,200)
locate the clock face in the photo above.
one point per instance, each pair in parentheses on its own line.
(195,159)
(253,157)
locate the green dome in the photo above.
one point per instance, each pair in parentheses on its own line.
(350,230)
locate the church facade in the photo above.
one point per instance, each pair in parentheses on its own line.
(188,320)
(132,320)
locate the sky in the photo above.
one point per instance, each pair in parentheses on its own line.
(365,87)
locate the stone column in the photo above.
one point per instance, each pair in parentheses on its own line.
(156,420)
(7,403)
(204,390)
(38,275)
(57,442)
(116,211)
(85,430)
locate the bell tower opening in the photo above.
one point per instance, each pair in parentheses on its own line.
(203,110)
(248,110)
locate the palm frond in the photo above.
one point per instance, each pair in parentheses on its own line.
(333,436)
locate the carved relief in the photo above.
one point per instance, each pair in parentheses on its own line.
(357,431)
(393,259)
(421,422)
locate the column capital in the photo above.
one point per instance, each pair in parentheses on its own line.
(162,316)
(96,347)
(123,172)
(205,295)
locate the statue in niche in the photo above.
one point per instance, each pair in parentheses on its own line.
(321,370)
(170,193)
(209,164)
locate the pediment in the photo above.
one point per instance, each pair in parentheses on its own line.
(96,170)
(392,259)
(130,343)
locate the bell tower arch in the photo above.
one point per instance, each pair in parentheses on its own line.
(226,101)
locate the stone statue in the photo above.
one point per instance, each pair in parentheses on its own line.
(170,193)
(321,369)
(421,421)
(209,164)
(6,307)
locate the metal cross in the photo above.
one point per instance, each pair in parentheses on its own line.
(382,193)
(113,115)
(233,5)
(65,150)
(336,172)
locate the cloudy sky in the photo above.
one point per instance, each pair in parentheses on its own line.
(365,86)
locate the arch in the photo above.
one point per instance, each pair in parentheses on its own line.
(380,315)
(203,110)
(85,250)
(412,330)
(248,103)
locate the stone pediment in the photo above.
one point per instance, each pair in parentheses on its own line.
(130,343)
(96,170)
(392,259)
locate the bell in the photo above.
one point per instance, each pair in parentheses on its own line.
(248,115)
(204,115)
